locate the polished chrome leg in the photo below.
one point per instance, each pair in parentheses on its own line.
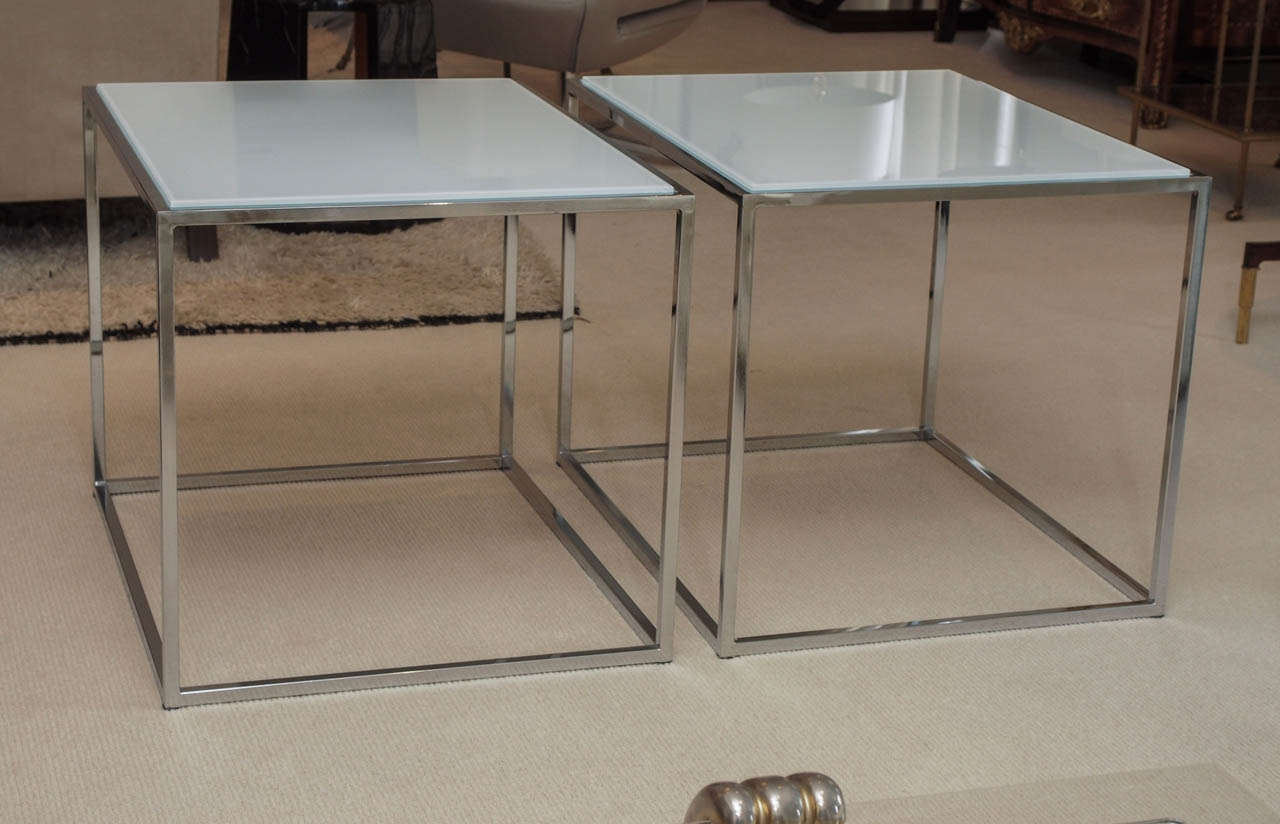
(93,247)
(737,426)
(570,100)
(564,409)
(169,669)
(506,414)
(933,335)
(1192,266)
(675,430)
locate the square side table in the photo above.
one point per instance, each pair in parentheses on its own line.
(205,154)
(811,139)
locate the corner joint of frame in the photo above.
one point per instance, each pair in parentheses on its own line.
(166,221)
(750,203)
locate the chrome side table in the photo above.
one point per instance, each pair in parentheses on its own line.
(216,153)
(771,140)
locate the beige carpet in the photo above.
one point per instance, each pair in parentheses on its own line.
(440,272)
(1056,345)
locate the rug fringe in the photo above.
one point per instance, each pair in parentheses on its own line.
(148,330)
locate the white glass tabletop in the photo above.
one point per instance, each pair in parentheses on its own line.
(870,130)
(364,142)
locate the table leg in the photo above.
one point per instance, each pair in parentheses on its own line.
(675,430)
(1184,344)
(93,240)
(933,335)
(507,398)
(564,411)
(202,243)
(726,632)
(570,101)
(169,669)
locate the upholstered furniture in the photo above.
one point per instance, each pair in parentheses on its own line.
(563,35)
(268,38)
(54,49)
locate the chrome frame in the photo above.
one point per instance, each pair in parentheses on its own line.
(720,631)
(161,639)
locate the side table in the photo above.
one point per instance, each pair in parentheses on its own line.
(882,137)
(219,153)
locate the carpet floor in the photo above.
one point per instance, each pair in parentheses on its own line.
(1056,349)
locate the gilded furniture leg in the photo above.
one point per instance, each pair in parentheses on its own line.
(1248,281)
(1254,255)
(1155,62)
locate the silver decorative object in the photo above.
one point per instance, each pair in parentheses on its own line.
(802,798)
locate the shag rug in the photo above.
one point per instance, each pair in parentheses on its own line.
(439,272)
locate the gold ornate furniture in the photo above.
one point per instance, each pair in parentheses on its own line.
(1108,24)
(1156,33)
(1216,79)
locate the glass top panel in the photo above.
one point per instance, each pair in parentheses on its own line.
(364,142)
(870,130)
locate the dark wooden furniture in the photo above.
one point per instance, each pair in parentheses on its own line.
(268,41)
(1108,24)
(1164,37)
(879,15)
(1200,60)
(1233,93)
(268,38)
(1254,256)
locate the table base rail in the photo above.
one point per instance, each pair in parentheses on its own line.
(647,651)
(1137,602)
